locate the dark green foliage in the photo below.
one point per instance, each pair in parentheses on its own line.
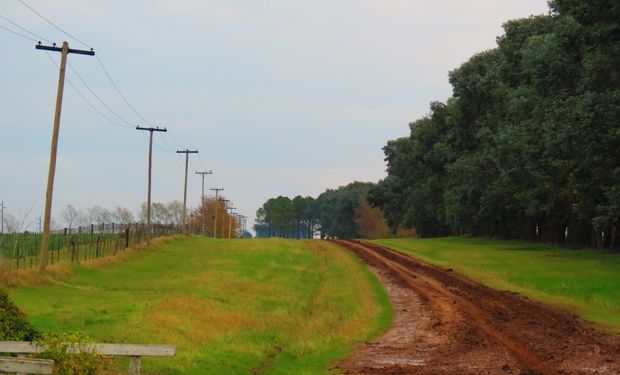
(529,145)
(332,214)
(336,210)
(14,325)
(286,218)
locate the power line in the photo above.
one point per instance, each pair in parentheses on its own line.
(118,90)
(53,24)
(169,150)
(24,29)
(18,34)
(167,145)
(175,141)
(179,146)
(129,124)
(91,105)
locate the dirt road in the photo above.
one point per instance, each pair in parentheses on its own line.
(447,324)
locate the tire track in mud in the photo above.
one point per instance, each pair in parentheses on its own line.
(447,324)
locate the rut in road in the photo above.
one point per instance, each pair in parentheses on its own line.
(447,324)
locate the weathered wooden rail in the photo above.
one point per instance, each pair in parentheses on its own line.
(135,352)
(26,365)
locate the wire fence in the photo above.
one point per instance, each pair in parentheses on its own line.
(21,250)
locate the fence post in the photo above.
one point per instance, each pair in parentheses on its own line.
(134,365)
(97,248)
(127,237)
(92,229)
(74,255)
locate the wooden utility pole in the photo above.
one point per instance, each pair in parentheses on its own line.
(65,50)
(226,201)
(215,216)
(202,200)
(148,201)
(2,208)
(186,152)
(230,220)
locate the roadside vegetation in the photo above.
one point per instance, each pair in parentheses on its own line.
(527,147)
(586,282)
(336,213)
(260,306)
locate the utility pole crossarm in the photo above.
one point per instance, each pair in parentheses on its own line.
(69,50)
(155,129)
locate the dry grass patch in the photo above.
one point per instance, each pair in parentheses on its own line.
(192,320)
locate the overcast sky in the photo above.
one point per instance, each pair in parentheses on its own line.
(281,97)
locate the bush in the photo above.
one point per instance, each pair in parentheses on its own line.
(70,354)
(14,325)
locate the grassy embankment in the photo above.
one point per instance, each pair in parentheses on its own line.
(586,282)
(242,306)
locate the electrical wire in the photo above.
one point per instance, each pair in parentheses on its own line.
(166,142)
(18,34)
(53,24)
(84,98)
(161,148)
(123,122)
(175,141)
(118,90)
(129,124)
(24,29)
(191,162)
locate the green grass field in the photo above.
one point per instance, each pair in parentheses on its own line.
(240,306)
(586,282)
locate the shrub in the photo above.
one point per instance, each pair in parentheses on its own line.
(14,325)
(71,355)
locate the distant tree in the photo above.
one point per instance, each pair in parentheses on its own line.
(285,217)
(370,221)
(337,210)
(160,213)
(11,224)
(70,215)
(175,212)
(123,215)
(206,214)
(99,215)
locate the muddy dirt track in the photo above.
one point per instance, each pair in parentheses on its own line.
(447,324)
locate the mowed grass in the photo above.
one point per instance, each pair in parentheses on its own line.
(586,282)
(230,306)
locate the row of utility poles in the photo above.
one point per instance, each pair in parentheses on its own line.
(65,51)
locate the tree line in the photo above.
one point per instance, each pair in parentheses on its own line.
(528,146)
(336,213)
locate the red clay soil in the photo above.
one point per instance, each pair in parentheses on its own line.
(447,324)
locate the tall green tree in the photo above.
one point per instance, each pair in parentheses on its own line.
(527,147)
